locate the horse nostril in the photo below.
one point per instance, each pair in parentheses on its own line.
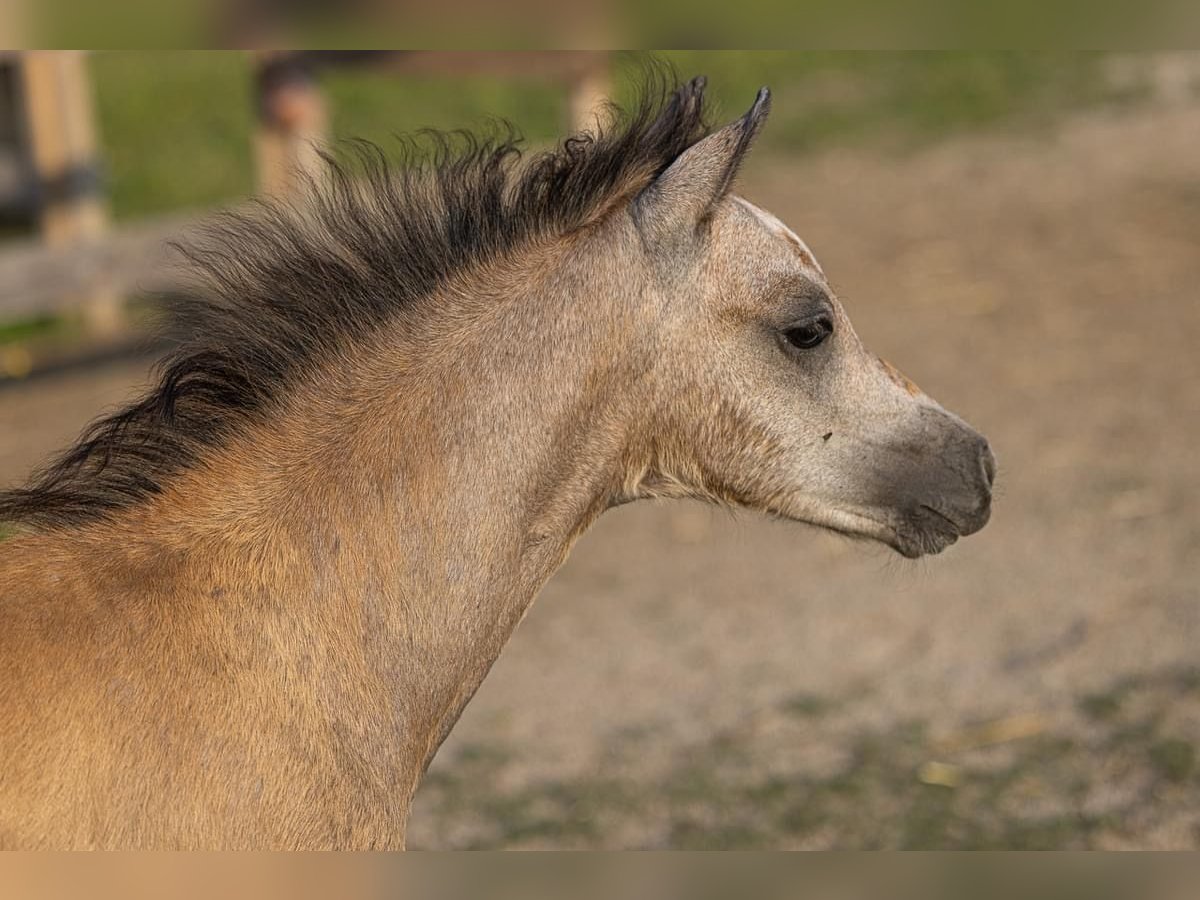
(989,463)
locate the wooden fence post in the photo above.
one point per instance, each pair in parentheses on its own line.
(61,138)
(589,88)
(292,122)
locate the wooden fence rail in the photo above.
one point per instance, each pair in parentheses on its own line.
(38,278)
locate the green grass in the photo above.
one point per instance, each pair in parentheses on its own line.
(176,126)
(378,106)
(28,329)
(848,97)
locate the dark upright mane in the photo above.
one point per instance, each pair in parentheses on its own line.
(282,290)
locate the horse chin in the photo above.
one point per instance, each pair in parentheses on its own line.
(915,544)
(927,533)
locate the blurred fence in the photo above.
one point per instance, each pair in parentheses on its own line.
(50,170)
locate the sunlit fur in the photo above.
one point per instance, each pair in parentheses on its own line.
(245,612)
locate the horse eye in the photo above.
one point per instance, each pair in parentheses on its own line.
(810,334)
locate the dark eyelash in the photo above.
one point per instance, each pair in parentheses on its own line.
(809,335)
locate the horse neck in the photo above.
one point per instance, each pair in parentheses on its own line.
(413,504)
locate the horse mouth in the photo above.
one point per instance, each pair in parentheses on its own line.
(927,532)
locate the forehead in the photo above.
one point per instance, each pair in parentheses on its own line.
(760,219)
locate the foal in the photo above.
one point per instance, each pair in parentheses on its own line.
(245,611)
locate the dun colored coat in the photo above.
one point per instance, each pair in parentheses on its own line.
(245,611)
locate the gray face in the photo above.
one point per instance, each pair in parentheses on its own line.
(783,409)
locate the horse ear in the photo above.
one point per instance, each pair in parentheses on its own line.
(681,199)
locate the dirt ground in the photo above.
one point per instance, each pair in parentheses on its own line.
(697,679)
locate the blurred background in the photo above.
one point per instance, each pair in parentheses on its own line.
(1020,232)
